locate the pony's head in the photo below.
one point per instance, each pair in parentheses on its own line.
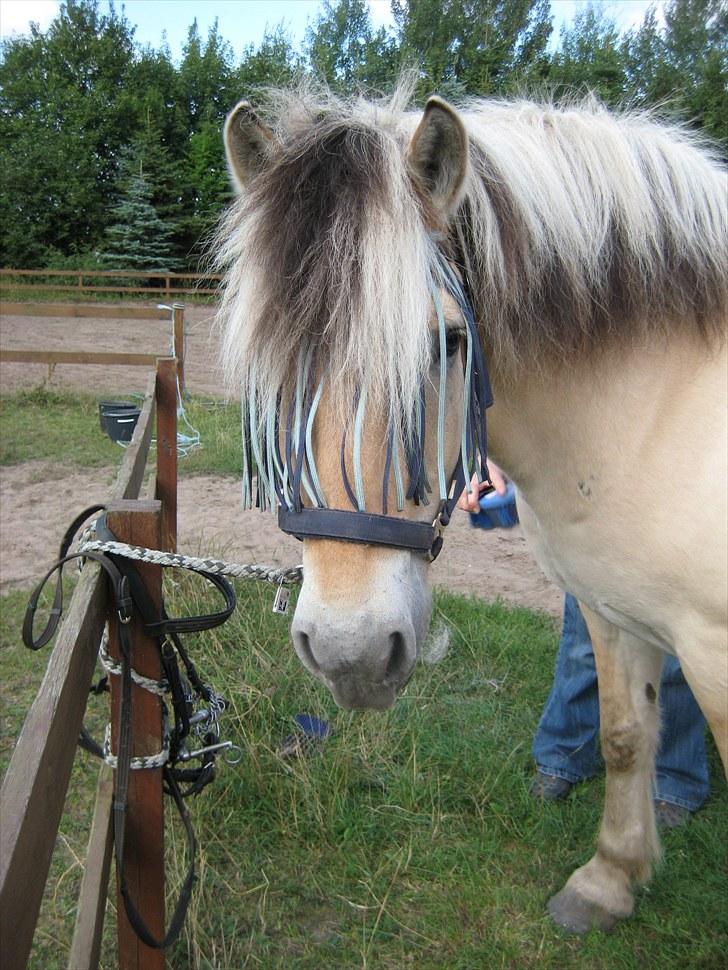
(363,381)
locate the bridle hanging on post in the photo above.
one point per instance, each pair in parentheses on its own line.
(194,705)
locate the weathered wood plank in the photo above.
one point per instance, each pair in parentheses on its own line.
(35,784)
(76,357)
(113,273)
(178,316)
(147,291)
(131,472)
(84,310)
(167,449)
(86,945)
(140,523)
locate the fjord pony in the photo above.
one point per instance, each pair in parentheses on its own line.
(594,250)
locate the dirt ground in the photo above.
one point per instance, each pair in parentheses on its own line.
(33,518)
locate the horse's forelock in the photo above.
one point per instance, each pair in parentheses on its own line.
(328,250)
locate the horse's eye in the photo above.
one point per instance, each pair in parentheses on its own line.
(453,339)
(452,342)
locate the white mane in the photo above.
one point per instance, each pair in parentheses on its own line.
(577,228)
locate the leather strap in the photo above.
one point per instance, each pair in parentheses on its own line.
(364,527)
(372,529)
(163,626)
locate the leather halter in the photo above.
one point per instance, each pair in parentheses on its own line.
(371,529)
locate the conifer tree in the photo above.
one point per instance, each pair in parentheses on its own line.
(138,238)
(589,57)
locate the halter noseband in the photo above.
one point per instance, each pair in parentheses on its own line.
(372,529)
(282,477)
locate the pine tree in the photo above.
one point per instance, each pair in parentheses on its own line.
(64,117)
(462,47)
(683,65)
(138,238)
(273,62)
(344,50)
(208,189)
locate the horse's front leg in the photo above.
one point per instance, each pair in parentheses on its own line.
(601,892)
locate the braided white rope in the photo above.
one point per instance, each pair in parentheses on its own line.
(268,574)
(158,687)
(138,764)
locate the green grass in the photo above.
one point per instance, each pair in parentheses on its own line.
(410,840)
(59,425)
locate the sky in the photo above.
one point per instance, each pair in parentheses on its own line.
(244,22)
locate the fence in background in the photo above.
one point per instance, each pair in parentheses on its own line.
(54,357)
(157,284)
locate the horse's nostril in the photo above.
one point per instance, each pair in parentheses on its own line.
(397,657)
(303,647)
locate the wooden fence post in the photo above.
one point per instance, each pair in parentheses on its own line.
(166,488)
(179,343)
(140,523)
(87,933)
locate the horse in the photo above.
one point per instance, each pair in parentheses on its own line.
(390,275)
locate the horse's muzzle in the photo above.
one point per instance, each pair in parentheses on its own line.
(366,676)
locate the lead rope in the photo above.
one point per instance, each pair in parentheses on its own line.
(288,576)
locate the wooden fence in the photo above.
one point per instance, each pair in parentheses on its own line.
(34,789)
(54,357)
(158,283)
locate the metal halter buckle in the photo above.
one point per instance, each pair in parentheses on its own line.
(124,611)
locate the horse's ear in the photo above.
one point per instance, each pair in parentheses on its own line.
(248,144)
(438,156)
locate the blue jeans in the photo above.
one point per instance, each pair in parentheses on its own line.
(565,744)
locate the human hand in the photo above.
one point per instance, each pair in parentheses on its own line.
(470,501)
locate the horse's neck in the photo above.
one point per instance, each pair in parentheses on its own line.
(620,466)
(605,418)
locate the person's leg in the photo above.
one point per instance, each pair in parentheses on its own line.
(565,744)
(681,767)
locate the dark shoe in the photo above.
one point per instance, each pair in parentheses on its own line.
(550,788)
(670,816)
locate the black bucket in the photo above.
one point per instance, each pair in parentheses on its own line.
(118,419)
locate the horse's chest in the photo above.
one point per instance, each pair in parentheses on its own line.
(572,551)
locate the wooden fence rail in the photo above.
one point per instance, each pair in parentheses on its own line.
(167,283)
(54,357)
(34,788)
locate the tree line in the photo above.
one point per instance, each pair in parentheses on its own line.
(111,153)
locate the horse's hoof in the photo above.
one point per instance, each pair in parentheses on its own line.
(575,914)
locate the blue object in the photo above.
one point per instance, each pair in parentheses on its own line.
(313,727)
(496,511)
